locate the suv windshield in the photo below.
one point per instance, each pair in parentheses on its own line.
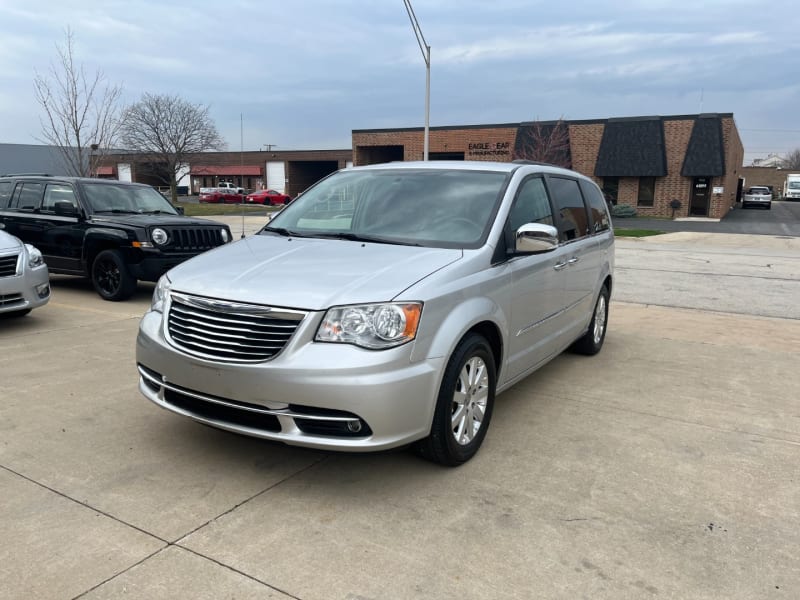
(430,207)
(108,197)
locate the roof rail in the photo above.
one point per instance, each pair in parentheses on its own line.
(520,161)
(26,175)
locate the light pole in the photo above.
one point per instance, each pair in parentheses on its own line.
(426,56)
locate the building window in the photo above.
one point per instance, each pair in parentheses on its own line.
(647,191)
(611,189)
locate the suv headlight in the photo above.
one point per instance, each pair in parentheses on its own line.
(35,258)
(160,294)
(373,326)
(160,236)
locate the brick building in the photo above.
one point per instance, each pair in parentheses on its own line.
(646,162)
(774,177)
(287,171)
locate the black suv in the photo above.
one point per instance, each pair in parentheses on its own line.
(111,231)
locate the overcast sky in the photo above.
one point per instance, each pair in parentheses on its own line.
(304,73)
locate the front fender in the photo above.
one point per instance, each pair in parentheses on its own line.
(455,322)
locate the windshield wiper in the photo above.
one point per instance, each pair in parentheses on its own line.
(118,211)
(282,231)
(355,237)
(156,212)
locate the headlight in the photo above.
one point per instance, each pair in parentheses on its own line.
(160,236)
(35,258)
(160,294)
(225,237)
(373,326)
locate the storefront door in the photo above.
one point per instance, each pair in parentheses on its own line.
(701,192)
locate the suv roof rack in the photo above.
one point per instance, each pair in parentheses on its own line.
(26,175)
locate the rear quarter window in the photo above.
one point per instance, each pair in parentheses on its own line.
(599,219)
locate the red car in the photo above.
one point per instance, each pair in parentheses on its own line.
(212,196)
(270,197)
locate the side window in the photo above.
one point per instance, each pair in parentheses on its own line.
(573,221)
(58,192)
(531,205)
(27,196)
(598,209)
(5,193)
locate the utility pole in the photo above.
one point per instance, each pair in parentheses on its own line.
(426,56)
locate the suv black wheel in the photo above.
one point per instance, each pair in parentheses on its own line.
(464,405)
(110,276)
(592,341)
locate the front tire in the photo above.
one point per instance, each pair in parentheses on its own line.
(592,341)
(111,278)
(464,404)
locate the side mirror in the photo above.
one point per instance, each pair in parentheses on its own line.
(535,238)
(66,209)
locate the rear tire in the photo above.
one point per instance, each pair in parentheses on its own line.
(464,404)
(592,341)
(111,278)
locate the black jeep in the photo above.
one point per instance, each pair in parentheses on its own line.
(111,231)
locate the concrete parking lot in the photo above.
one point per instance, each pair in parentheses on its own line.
(666,466)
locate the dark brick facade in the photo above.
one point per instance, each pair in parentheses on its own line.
(497,143)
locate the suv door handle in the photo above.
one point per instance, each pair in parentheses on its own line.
(573,260)
(559,266)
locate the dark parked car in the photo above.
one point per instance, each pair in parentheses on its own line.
(111,231)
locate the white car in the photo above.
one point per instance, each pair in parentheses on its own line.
(758,195)
(24,279)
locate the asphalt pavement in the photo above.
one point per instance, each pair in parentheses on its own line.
(782,219)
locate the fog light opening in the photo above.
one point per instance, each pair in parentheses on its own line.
(43,290)
(354,426)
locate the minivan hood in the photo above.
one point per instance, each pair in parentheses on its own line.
(307,273)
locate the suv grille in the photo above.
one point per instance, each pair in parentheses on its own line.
(8,265)
(229,331)
(185,239)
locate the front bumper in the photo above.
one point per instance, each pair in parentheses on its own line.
(311,394)
(26,291)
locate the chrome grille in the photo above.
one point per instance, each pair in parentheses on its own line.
(183,239)
(8,265)
(229,331)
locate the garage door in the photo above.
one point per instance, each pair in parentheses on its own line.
(276,175)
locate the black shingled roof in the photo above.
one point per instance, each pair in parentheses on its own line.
(632,148)
(705,156)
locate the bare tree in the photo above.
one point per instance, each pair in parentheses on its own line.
(544,142)
(81,112)
(792,160)
(167,130)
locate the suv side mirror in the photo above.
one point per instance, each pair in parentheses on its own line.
(66,209)
(535,238)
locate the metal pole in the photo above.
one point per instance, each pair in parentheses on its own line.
(426,56)
(427,102)
(241,159)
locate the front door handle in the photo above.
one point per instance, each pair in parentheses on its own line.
(573,260)
(559,266)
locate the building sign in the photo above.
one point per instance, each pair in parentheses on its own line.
(718,189)
(488,149)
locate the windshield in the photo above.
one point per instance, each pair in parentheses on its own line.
(104,197)
(426,207)
(794,185)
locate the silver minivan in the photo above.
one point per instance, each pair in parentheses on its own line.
(386,306)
